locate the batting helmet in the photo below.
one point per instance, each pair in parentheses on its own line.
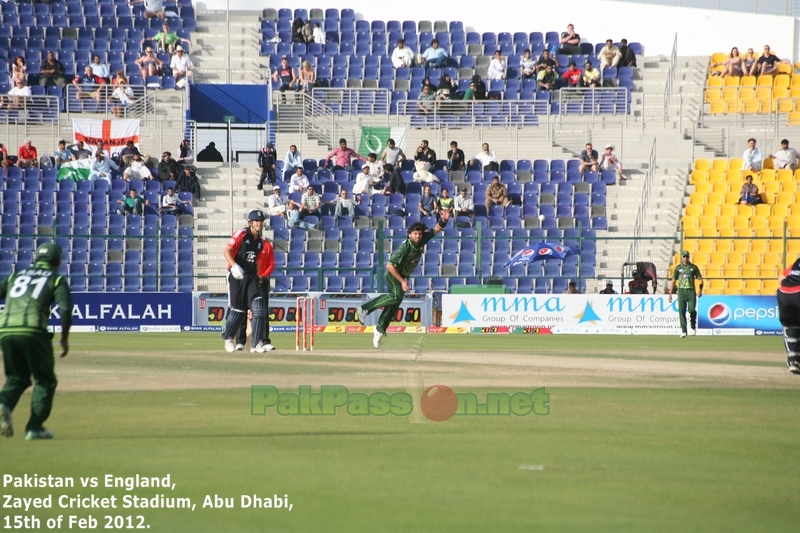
(256,214)
(49,252)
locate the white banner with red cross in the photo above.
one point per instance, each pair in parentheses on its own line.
(113,135)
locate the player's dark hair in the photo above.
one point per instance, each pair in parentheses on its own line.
(417,226)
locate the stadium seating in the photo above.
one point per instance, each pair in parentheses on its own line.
(759,95)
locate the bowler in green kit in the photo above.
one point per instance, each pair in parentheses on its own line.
(402,263)
(27,345)
(683,281)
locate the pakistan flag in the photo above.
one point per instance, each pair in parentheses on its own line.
(374,139)
(75,170)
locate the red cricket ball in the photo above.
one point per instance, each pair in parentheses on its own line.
(438,403)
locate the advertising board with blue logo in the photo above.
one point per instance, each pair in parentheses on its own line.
(739,315)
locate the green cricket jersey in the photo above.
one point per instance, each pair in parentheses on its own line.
(686,275)
(406,258)
(29,293)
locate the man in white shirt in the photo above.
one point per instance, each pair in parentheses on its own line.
(487,158)
(170,204)
(753,157)
(609,55)
(16,94)
(365,182)
(180,65)
(311,203)
(101,167)
(275,203)
(292,161)
(609,161)
(152,8)
(138,170)
(402,56)
(785,157)
(497,67)
(319,34)
(464,205)
(299,181)
(345,206)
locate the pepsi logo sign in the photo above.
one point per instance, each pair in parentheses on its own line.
(527,253)
(545,251)
(719,314)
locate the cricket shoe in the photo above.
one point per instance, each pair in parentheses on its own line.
(377,339)
(6,425)
(693,332)
(230,347)
(40,434)
(261,348)
(362,315)
(683,335)
(794,368)
(240,347)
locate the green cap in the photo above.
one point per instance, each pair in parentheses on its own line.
(685,253)
(49,252)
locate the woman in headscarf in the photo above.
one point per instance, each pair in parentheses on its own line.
(480,88)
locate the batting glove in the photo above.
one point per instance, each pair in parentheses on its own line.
(237,272)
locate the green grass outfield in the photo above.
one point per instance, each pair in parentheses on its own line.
(630,457)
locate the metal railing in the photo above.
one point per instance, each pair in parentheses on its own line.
(466,114)
(87,98)
(641,215)
(354,101)
(29,109)
(251,76)
(594,103)
(670,82)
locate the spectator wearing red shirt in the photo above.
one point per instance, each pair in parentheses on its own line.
(572,75)
(27,155)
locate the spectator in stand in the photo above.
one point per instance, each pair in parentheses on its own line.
(469,94)
(496,194)
(753,157)
(573,75)
(127,153)
(291,162)
(546,79)
(570,42)
(609,161)
(308,32)
(572,288)
(152,8)
(181,66)
(527,65)
(733,64)
(365,183)
(297,31)
(591,76)
(455,157)
(544,61)
(167,39)
(210,154)
(51,72)
(345,206)
(446,89)
(402,56)
(168,168)
(638,285)
(609,288)
(767,63)
(276,204)
(434,56)
(319,34)
(609,55)
(749,63)
(100,70)
(426,82)
(427,101)
(293,210)
(627,57)
(86,85)
(267,164)
(62,155)
(122,93)
(342,157)
(185,153)
(27,156)
(589,158)
(445,203)
(392,154)
(425,153)
(394,181)
(101,167)
(79,151)
(427,203)
(372,165)
(311,203)
(4,157)
(307,78)
(137,169)
(480,88)
(171,204)
(188,182)
(285,75)
(464,205)
(298,182)
(497,67)
(749,194)
(487,158)
(17,95)
(149,64)
(19,70)
(785,157)
(133,204)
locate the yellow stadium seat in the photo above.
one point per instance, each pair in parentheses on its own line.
(784,174)
(789,187)
(698,198)
(715,198)
(783,198)
(769,286)
(793,222)
(694,210)
(727,210)
(691,244)
(731,271)
(730,95)
(693,231)
(689,222)
(703,187)
(717,108)
(759,246)
(713,245)
(764,80)
(716,176)
(731,197)
(712,271)
(732,81)
(795,79)
(719,164)
(735,258)
(724,223)
(702,164)
(747,81)
(752,258)
(793,247)
(715,286)
(763,210)
(747,93)
(794,91)
(709,232)
(763,93)
(783,68)
(710,210)
(740,246)
(699,176)
(785,105)
(720,187)
(775,246)
(764,105)
(766,175)
(744,210)
(733,286)
(717,258)
(780,92)
(700,258)
(758,222)
(749,270)
(704,222)
(768,164)
(733,176)
(752,286)
(767,271)
(729,233)
(745,233)
(735,164)
(793,119)
(740,222)
(713,95)
(718,57)
(776,223)
(762,233)
(772,187)
(782,80)
(794,209)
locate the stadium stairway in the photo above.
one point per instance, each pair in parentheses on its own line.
(212,51)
